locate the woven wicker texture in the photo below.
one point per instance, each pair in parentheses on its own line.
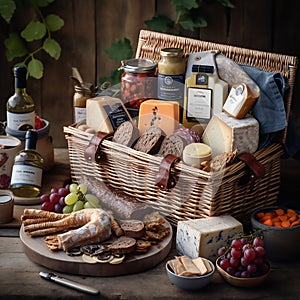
(197,193)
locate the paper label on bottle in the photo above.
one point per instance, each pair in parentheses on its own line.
(15,120)
(199,106)
(80,114)
(27,175)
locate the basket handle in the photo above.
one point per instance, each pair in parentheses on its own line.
(92,152)
(164,178)
(257,168)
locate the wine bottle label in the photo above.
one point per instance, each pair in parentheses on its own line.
(26,175)
(80,113)
(15,120)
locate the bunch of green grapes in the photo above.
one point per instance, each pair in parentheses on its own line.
(72,197)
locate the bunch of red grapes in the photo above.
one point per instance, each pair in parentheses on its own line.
(55,200)
(245,257)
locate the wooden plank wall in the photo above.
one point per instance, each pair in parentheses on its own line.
(91,26)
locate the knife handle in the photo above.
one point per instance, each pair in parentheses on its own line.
(69,283)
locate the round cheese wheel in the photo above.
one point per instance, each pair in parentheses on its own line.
(197,149)
(195,153)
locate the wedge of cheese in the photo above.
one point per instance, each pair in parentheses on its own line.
(105,113)
(160,113)
(203,237)
(226,134)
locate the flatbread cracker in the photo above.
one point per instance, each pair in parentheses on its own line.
(200,264)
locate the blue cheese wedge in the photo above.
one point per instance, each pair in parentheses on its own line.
(203,237)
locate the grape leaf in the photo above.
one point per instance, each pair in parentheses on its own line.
(14,47)
(185,4)
(121,49)
(35,30)
(7,9)
(187,24)
(200,22)
(54,22)
(159,23)
(52,47)
(35,68)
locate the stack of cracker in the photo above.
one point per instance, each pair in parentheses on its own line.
(185,266)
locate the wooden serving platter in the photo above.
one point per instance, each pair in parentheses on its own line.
(37,250)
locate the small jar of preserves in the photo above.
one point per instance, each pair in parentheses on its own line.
(138,81)
(83,91)
(171,75)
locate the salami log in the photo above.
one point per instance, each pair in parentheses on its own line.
(122,205)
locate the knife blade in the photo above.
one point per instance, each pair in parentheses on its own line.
(69,283)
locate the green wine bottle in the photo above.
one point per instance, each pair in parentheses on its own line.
(26,179)
(20,107)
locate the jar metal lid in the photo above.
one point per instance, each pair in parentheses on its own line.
(171,52)
(138,65)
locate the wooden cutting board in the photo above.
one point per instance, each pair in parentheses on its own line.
(37,250)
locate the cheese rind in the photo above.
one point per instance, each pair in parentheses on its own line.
(226,134)
(203,237)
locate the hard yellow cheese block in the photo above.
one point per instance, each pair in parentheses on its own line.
(163,114)
(105,113)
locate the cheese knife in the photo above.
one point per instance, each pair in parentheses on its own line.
(69,283)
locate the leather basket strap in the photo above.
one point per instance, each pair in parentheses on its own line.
(164,178)
(257,169)
(93,150)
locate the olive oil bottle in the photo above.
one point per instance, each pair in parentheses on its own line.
(20,106)
(26,179)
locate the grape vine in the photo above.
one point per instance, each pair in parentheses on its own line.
(40,29)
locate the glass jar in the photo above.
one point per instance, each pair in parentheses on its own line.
(83,92)
(171,75)
(138,81)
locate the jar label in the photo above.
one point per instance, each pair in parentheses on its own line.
(199,101)
(80,114)
(170,87)
(27,175)
(14,120)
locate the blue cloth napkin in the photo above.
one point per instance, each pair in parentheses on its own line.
(269,109)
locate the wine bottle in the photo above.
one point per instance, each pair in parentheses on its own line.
(20,106)
(26,179)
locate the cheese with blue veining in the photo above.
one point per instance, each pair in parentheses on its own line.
(203,237)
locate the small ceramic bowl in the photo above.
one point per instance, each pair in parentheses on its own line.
(242,282)
(281,244)
(188,282)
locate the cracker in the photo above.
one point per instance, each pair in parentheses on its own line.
(189,265)
(200,264)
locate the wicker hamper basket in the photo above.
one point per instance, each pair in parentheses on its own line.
(197,194)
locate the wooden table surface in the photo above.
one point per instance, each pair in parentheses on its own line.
(19,276)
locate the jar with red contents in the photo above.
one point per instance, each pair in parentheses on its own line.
(138,82)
